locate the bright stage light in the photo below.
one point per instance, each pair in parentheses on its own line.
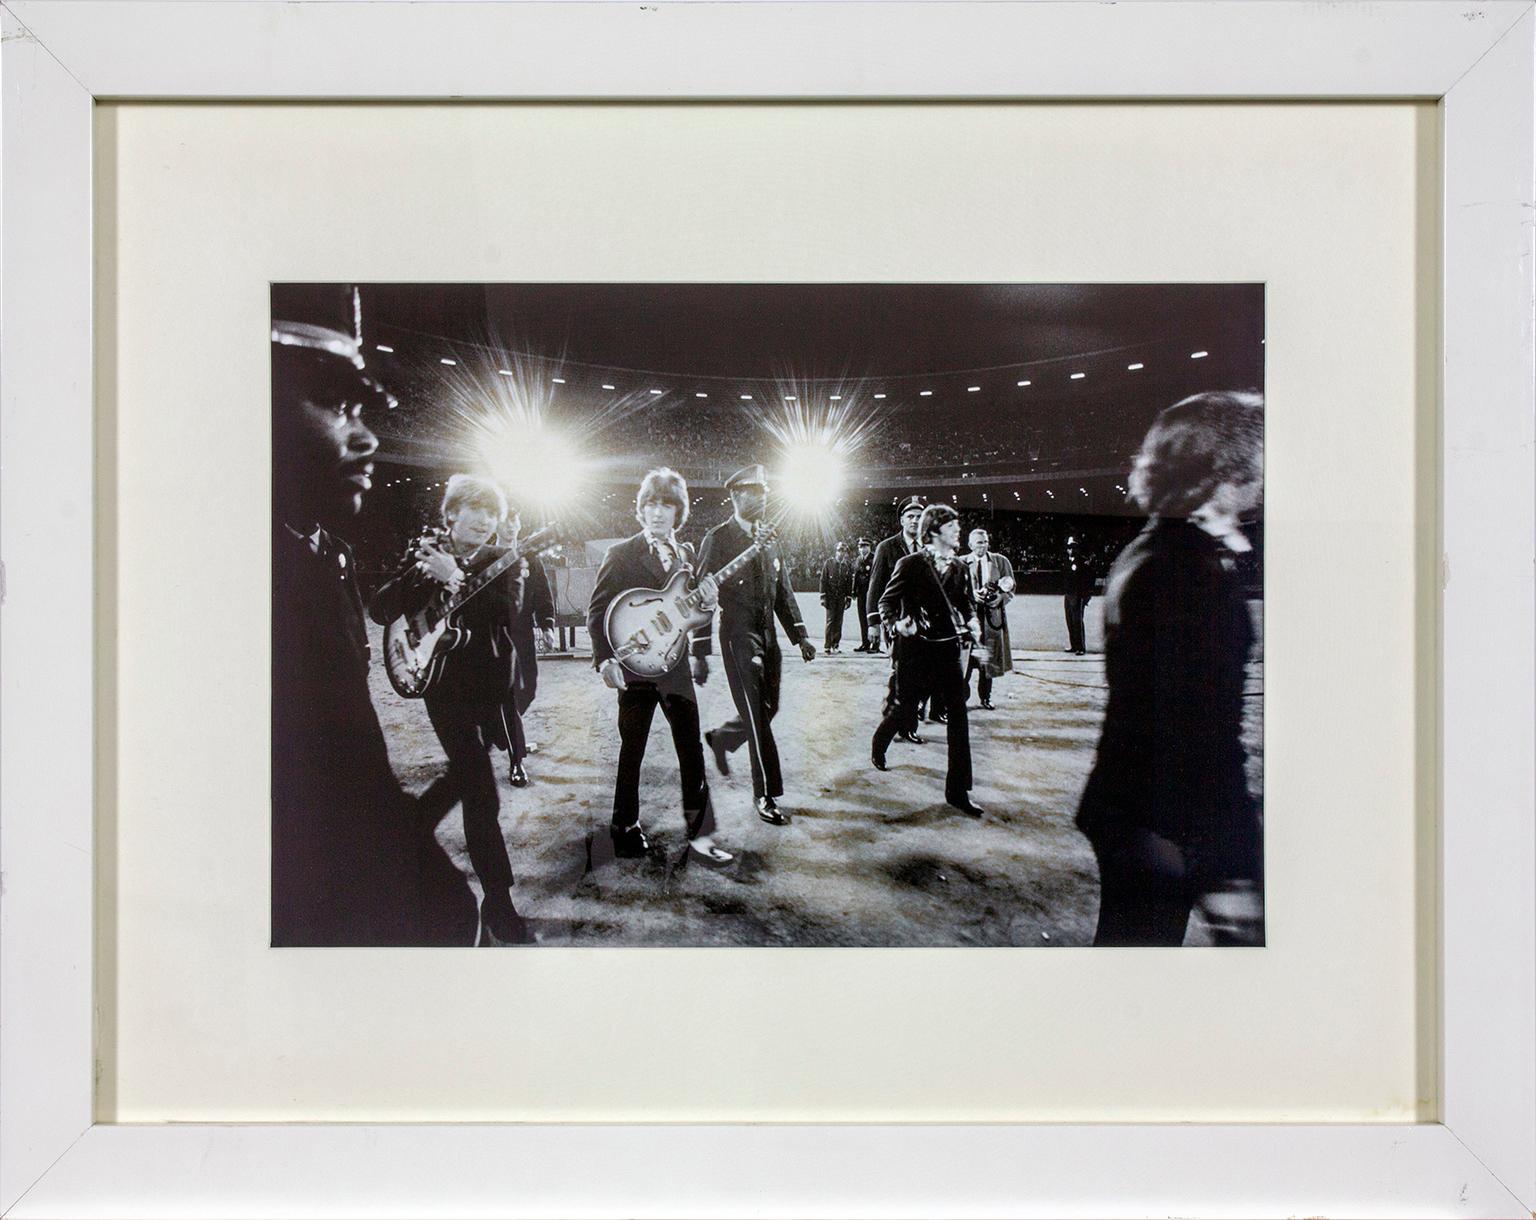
(538,463)
(810,477)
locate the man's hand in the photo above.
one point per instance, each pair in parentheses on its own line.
(433,561)
(613,674)
(547,635)
(905,626)
(700,669)
(807,650)
(709,592)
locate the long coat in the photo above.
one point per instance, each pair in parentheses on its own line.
(992,608)
(887,555)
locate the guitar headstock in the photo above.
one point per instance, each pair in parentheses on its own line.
(765,535)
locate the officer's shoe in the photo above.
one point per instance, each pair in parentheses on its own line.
(629,842)
(770,812)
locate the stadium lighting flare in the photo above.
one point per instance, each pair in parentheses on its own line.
(1078,376)
(925,393)
(558,380)
(450,363)
(817,441)
(879,395)
(1133,367)
(606,386)
(1198,355)
(1023,383)
(382,347)
(971,389)
(658,391)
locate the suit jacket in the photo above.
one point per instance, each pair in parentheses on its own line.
(1170,758)
(632,564)
(1079,575)
(836,581)
(348,862)
(861,571)
(481,670)
(538,602)
(994,618)
(750,599)
(882,564)
(939,601)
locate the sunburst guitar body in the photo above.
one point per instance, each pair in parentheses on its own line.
(649,629)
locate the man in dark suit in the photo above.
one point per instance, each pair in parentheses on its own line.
(890,551)
(862,564)
(749,647)
(351,862)
(537,615)
(648,560)
(927,606)
(472,704)
(1078,593)
(836,589)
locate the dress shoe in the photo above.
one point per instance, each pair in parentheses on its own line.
(722,760)
(714,857)
(965,805)
(939,718)
(877,757)
(518,776)
(911,738)
(629,842)
(501,925)
(987,704)
(770,812)
(1081,652)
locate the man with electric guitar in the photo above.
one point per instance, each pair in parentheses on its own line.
(455,581)
(644,618)
(751,594)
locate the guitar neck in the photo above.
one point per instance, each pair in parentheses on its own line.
(725,573)
(487,575)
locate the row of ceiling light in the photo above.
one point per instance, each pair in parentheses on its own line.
(1135,366)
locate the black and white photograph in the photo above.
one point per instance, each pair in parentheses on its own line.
(807,615)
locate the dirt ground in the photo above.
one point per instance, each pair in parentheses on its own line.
(870,859)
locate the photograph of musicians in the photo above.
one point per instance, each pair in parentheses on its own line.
(992,585)
(648,560)
(538,615)
(472,703)
(887,554)
(351,862)
(863,562)
(1079,592)
(927,606)
(836,591)
(749,647)
(1167,806)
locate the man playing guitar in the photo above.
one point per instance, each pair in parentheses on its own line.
(472,705)
(648,560)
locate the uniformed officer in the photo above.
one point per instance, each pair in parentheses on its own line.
(862,564)
(749,646)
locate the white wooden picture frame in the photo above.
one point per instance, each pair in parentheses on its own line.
(60,56)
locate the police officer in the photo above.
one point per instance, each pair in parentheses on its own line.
(862,565)
(749,646)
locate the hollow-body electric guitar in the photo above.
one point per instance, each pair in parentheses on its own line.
(649,628)
(415,644)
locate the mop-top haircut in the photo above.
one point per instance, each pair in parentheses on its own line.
(934,516)
(467,489)
(1196,446)
(667,486)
